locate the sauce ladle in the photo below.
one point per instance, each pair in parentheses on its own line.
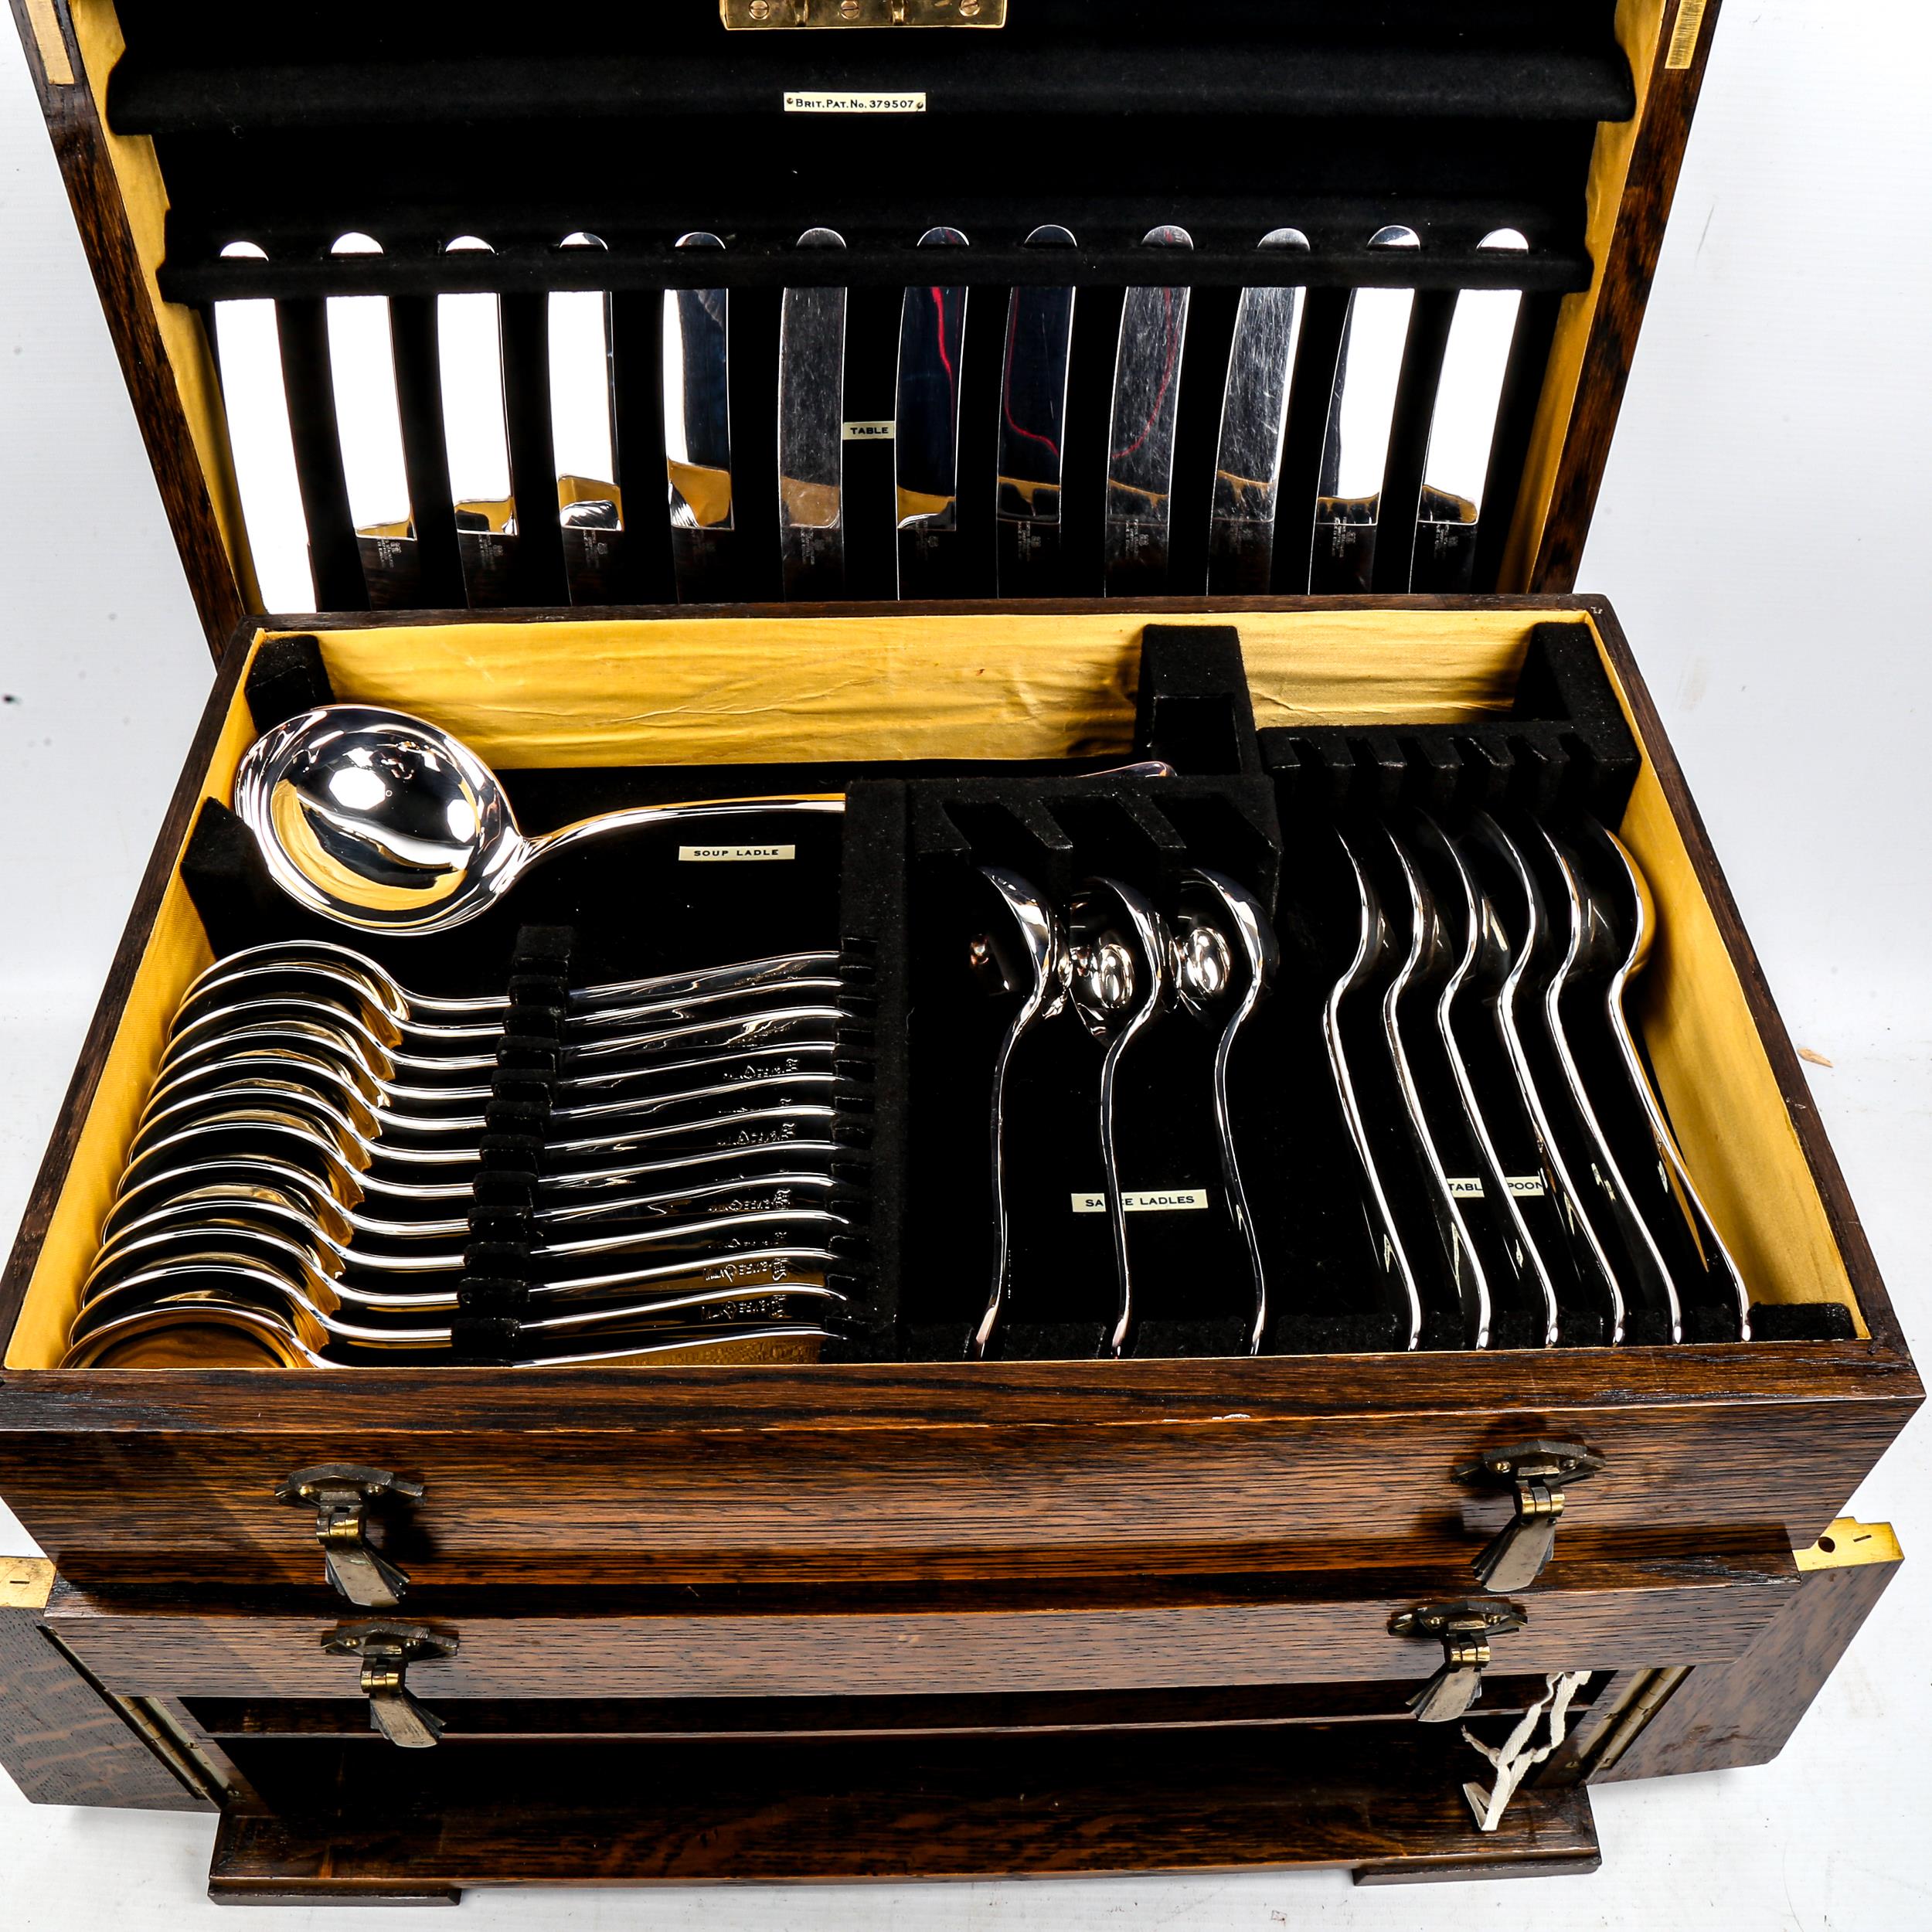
(383,822)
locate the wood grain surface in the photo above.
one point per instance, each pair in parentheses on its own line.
(62,1742)
(1722,1716)
(971,1808)
(1143,1634)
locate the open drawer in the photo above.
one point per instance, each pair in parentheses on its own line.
(866,1470)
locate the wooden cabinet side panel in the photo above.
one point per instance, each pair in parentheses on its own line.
(1724,1716)
(62,1742)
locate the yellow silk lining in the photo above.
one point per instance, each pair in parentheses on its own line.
(708,690)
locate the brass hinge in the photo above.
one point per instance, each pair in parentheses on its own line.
(742,15)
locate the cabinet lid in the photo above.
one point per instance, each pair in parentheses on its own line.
(1471,193)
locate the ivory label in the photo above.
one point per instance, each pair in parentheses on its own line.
(732,855)
(1526,1187)
(815,101)
(871,432)
(1163,1200)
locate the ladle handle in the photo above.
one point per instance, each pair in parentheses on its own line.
(635,818)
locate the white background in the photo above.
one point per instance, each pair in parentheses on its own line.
(1762,531)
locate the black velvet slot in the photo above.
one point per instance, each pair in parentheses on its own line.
(537,572)
(302,328)
(637,412)
(426,461)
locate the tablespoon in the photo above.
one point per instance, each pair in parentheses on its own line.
(1491,851)
(1032,958)
(720,1034)
(1219,982)
(242,1130)
(1117,953)
(1429,962)
(382,821)
(1642,927)
(285,1240)
(1371,947)
(310,1073)
(116,1343)
(1593,953)
(296,1214)
(218,1280)
(405,1005)
(1476,982)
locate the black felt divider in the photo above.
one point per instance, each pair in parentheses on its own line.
(287,677)
(494,1290)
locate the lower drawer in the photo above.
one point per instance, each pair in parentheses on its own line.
(1280,1629)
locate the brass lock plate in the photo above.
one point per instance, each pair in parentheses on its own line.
(747,16)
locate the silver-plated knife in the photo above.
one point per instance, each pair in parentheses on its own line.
(1139,459)
(1032,427)
(1361,416)
(1462,432)
(811,448)
(932,343)
(697,434)
(1254,416)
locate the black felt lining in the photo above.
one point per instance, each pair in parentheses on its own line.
(893,891)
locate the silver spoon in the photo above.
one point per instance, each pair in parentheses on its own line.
(1487,840)
(778,969)
(1592,951)
(381,820)
(1372,944)
(360,993)
(1118,955)
(1038,969)
(1221,983)
(1426,964)
(1480,973)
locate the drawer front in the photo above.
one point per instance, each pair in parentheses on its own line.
(1183,1491)
(1308,1629)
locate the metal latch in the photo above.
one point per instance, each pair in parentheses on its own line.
(340,1493)
(1465,1628)
(1537,1471)
(738,14)
(387,1651)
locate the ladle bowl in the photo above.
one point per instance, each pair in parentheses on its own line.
(383,822)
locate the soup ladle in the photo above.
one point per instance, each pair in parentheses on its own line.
(381,820)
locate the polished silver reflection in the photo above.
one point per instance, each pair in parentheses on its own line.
(1254,418)
(812,433)
(1032,430)
(378,820)
(1139,460)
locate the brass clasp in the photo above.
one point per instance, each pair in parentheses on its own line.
(340,1494)
(387,1651)
(1464,1628)
(1537,1471)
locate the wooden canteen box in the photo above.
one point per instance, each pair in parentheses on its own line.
(875,1610)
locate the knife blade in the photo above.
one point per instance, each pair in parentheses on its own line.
(1254,416)
(1032,425)
(1361,415)
(932,342)
(1140,464)
(811,449)
(697,434)
(1463,430)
